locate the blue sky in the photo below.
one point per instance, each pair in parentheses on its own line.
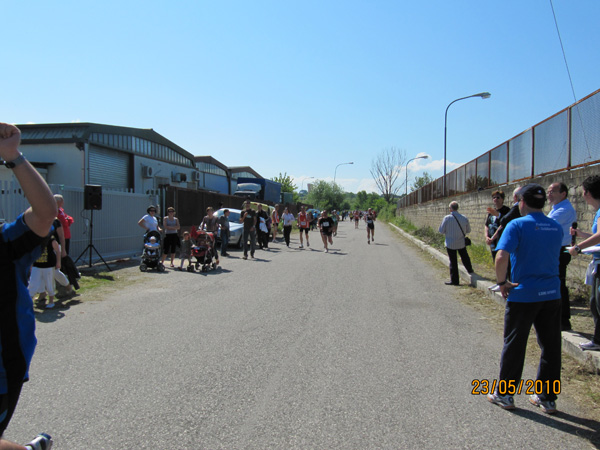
(301,86)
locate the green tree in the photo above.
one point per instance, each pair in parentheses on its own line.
(325,195)
(361,200)
(286,182)
(421,181)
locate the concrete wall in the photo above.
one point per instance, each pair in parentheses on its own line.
(473,205)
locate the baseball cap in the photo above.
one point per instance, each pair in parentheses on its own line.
(534,195)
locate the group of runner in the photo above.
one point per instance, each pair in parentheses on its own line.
(327,225)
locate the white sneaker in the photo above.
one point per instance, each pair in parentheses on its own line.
(50,305)
(301,246)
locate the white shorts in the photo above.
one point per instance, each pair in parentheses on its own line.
(42,280)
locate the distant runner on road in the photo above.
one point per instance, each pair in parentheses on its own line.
(370,219)
(303,225)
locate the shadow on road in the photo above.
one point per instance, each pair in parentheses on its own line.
(578,426)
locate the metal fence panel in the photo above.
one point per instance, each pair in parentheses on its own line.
(115,232)
(585,131)
(519,156)
(460,179)
(483,171)
(451,183)
(498,164)
(471,176)
(551,144)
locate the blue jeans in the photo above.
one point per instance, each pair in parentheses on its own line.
(224,243)
(252,235)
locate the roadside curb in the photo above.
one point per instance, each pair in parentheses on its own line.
(570,340)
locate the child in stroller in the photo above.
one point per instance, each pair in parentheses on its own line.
(203,251)
(151,252)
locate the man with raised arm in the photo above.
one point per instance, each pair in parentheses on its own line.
(20,245)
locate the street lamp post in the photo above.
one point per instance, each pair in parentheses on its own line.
(306,178)
(483,95)
(341,164)
(406,180)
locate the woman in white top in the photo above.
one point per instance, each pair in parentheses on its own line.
(288,221)
(149,221)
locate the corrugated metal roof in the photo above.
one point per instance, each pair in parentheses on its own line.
(67,133)
(78,132)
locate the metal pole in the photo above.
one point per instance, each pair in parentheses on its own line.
(483,95)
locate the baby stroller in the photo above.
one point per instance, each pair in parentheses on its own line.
(151,256)
(203,251)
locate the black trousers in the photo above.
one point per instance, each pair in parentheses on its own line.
(464,257)
(565,308)
(286,234)
(518,319)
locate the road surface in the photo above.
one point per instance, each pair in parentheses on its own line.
(360,348)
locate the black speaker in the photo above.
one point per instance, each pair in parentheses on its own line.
(92,196)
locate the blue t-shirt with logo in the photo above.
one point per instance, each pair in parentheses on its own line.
(534,243)
(595,230)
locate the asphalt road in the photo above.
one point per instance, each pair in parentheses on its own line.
(360,348)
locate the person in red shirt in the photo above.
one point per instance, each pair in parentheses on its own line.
(303,225)
(66,221)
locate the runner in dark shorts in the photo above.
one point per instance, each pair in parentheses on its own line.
(370,219)
(325,224)
(356,219)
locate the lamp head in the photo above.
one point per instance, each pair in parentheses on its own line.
(484,95)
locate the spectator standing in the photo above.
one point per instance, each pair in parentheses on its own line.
(303,225)
(149,222)
(455,226)
(263,232)
(20,243)
(172,243)
(532,298)
(288,222)
(492,221)
(66,221)
(225,231)
(275,221)
(564,213)
(591,195)
(248,218)
(41,280)
(209,222)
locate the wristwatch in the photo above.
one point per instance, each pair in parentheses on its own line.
(577,248)
(15,162)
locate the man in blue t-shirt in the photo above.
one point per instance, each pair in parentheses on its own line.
(20,243)
(532,243)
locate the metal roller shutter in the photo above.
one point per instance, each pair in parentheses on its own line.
(109,168)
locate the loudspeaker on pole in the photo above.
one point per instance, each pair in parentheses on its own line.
(92,197)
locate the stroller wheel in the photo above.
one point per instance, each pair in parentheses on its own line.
(190,268)
(204,268)
(214,265)
(161,267)
(143,267)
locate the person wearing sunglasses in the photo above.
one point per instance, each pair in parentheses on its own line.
(149,222)
(492,221)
